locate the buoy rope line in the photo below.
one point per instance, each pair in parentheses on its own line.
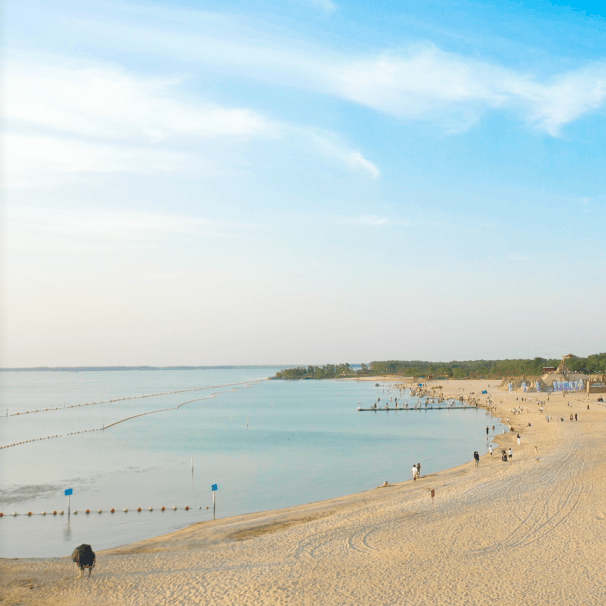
(141,414)
(29,514)
(112,400)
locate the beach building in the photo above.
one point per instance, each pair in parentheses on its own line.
(552,379)
(563,379)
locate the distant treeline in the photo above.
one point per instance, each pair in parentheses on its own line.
(330,371)
(467,369)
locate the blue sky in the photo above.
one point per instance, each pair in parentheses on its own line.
(303,181)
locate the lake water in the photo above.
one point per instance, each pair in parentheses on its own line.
(266,444)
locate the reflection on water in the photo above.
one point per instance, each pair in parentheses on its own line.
(67,533)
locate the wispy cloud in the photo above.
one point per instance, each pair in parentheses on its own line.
(106,102)
(47,160)
(417,82)
(69,120)
(326,5)
(371,220)
(428,84)
(72,230)
(332,146)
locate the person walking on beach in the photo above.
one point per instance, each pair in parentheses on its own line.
(518,439)
(476,456)
(419,469)
(490,450)
(504,456)
(575,417)
(415,473)
(510,454)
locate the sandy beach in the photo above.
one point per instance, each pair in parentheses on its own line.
(523,532)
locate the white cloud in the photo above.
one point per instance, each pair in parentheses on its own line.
(420,82)
(566,97)
(429,84)
(106,102)
(371,220)
(331,146)
(44,160)
(70,120)
(325,5)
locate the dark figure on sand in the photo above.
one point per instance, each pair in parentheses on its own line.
(84,557)
(476,456)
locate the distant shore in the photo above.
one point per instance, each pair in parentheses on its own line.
(528,531)
(114,368)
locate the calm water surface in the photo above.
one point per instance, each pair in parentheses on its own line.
(266,444)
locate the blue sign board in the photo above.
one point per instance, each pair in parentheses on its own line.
(69,491)
(214,487)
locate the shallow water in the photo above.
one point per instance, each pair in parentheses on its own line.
(267,444)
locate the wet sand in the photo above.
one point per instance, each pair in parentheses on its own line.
(522,532)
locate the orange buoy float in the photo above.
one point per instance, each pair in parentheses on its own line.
(112,510)
(187,508)
(138,508)
(29,513)
(163,508)
(54,513)
(1,515)
(88,511)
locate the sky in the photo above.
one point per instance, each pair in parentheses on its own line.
(301,181)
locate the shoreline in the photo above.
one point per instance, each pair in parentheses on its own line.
(254,539)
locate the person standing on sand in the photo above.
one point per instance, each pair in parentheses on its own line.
(510,454)
(415,472)
(575,417)
(476,456)
(518,439)
(490,450)
(487,432)
(419,469)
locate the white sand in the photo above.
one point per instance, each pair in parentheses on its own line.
(519,533)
